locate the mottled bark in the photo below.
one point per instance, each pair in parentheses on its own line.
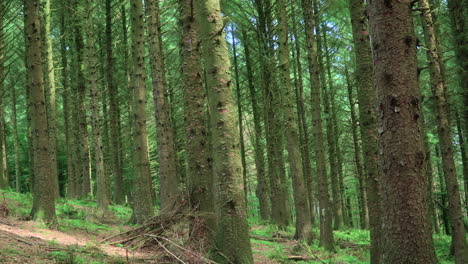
(232,239)
(368,121)
(43,192)
(168,179)
(326,231)
(3,176)
(303,127)
(200,177)
(103,199)
(239,114)
(405,225)
(114,111)
(303,219)
(66,92)
(50,94)
(442,110)
(141,194)
(280,213)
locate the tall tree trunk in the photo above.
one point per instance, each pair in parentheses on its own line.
(142,205)
(69,142)
(280,214)
(165,132)
(464,157)
(326,231)
(263,188)
(3,176)
(50,95)
(43,193)
(103,199)
(200,175)
(404,199)
(232,240)
(458,11)
(442,110)
(332,155)
(239,114)
(15,137)
(114,110)
(368,122)
(84,180)
(303,220)
(303,127)
(364,213)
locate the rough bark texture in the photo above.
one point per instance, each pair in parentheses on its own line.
(442,110)
(240,113)
(232,239)
(103,194)
(458,11)
(303,220)
(367,119)
(326,232)
(15,137)
(168,180)
(263,188)
(43,192)
(50,95)
(464,156)
(200,175)
(142,204)
(405,224)
(71,181)
(364,213)
(330,135)
(3,176)
(280,214)
(114,110)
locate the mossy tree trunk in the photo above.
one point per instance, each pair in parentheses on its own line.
(303,219)
(442,110)
(232,239)
(368,121)
(142,204)
(43,192)
(51,94)
(168,179)
(200,175)
(326,230)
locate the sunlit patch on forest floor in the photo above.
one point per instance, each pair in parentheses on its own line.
(81,232)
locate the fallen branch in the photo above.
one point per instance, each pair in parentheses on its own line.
(298,258)
(168,251)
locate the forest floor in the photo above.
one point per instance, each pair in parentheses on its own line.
(79,237)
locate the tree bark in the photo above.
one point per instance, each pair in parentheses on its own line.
(142,204)
(405,224)
(51,95)
(263,188)
(168,180)
(43,192)
(364,213)
(368,121)
(326,231)
(200,175)
(232,239)
(442,111)
(303,219)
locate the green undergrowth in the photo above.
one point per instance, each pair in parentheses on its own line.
(352,245)
(72,214)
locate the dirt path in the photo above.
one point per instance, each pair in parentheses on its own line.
(27,238)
